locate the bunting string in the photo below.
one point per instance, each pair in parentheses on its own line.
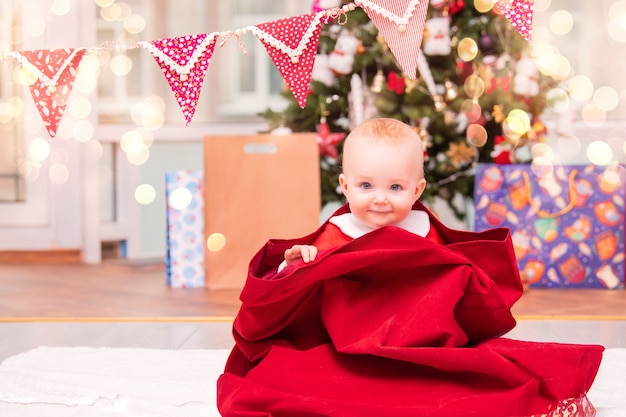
(291,43)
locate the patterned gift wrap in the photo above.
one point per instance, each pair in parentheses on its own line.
(567,222)
(185,229)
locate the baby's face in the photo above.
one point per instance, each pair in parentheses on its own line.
(382,181)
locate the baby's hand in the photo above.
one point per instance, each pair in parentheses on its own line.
(305,252)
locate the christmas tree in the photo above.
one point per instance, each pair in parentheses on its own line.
(477,97)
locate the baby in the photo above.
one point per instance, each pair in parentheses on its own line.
(382,178)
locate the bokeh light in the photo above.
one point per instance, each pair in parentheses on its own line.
(140,157)
(542,167)
(561,22)
(467,49)
(476,135)
(216,242)
(58,173)
(121,65)
(483,6)
(145,194)
(599,153)
(135,24)
(541,5)
(580,88)
(617,23)
(39,149)
(472,110)
(592,115)
(79,107)
(6,112)
(83,130)
(61,7)
(558,100)
(542,150)
(517,123)
(606,98)
(474,86)
(180,198)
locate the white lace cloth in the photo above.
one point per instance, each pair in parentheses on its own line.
(107,382)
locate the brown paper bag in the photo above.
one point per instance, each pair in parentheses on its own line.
(257,187)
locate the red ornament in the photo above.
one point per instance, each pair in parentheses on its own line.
(327,140)
(504,83)
(449,6)
(455,6)
(501,153)
(395,83)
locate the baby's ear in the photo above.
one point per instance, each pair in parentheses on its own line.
(419,188)
(343,182)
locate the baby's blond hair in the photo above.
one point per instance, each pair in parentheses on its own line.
(387,130)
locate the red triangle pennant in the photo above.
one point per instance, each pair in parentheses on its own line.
(184,61)
(520,13)
(56,71)
(401,24)
(292,45)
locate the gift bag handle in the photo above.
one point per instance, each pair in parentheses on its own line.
(545,213)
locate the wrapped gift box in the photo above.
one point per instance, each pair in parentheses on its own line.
(185,229)
(566,222)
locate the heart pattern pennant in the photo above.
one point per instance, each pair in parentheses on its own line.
(184,61)
(520,14)
(292,43)
(56,71)
(401,23)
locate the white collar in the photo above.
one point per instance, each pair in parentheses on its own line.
(417,222)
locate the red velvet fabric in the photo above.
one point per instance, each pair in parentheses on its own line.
(393,324)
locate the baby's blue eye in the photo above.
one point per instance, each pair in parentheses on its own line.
(396,187)
(366,185)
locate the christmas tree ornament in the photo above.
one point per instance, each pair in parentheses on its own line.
(395,83)
(487,44)
(526,79)
(438,42)
(321,70)
(498,114)
(378,81)
(502,150)
(361,103)
(327,141)
(460,154)
(52,73)
(440,104)
(452,91)
(341,59)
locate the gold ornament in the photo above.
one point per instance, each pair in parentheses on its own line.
(377,82)
(440,105)
(460,154)
(451,90)
(498,113)
(409,83)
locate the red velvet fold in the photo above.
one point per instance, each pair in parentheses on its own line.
(393,324)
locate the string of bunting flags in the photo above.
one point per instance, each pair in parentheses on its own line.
(290,42)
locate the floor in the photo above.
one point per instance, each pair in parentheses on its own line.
(130,305)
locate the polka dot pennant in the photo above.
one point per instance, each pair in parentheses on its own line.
(56,71)
(184,61)
(520,14)
(401,23)
(292,43)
